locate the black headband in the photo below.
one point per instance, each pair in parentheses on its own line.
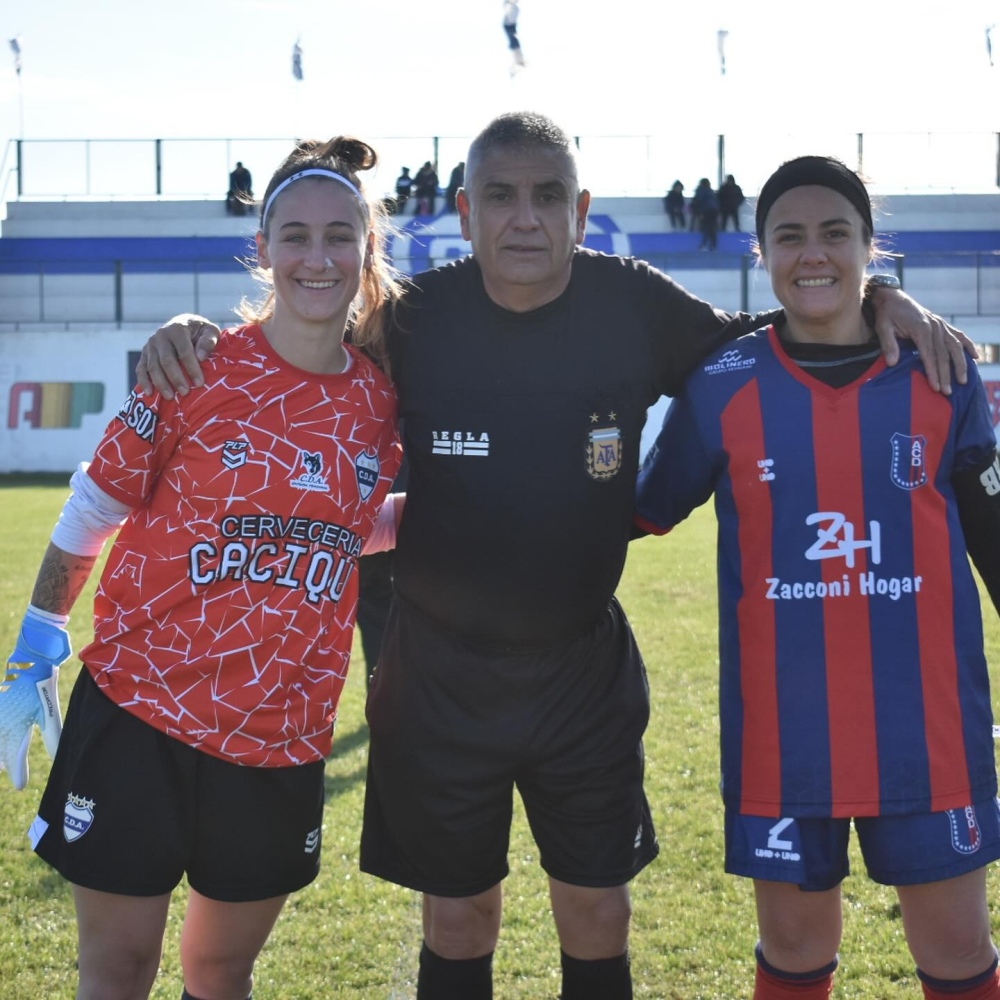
(821,170)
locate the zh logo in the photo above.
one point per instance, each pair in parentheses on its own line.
(838,539)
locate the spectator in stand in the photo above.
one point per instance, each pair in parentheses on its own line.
(730,197)
(705,207)
(404,187)
(425,187)
(456,180)
(240,194)
(673,205)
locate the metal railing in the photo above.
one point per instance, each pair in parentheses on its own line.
(609,165)
(119,292)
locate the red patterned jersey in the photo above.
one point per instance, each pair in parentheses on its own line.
(225,613)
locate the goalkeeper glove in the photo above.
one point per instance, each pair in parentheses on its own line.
(29,692)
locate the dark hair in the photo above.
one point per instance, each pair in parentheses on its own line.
(380,284)
(824,171)
(521,130)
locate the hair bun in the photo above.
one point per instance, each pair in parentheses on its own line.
(353,151)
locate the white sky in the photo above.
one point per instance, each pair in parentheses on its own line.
(219,68)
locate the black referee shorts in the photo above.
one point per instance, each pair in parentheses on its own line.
(455,728)
(130,810)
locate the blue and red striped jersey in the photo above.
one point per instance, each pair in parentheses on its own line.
(853,678)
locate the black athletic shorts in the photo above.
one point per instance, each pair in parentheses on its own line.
(129,810)
(454,728)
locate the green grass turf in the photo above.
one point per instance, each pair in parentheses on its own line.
(351,937)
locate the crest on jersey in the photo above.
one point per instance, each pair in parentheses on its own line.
(966,837)
(604,452)
(234,454)
(908,469)
(367,467)
(78,817)
(312,478)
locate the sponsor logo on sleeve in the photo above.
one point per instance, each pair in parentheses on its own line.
(139,417)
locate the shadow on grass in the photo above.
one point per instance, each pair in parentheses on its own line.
(17,480)
(345,745)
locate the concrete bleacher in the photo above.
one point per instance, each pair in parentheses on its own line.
(72,262)
(84,283)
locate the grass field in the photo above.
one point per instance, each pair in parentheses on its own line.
(349,936)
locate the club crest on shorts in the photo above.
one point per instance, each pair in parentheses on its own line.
(604,450)
(966,837)
(908,469)
(78,817)
(367,467)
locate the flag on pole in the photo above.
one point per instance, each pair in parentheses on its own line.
(297,60)
(15,47)
(722,36)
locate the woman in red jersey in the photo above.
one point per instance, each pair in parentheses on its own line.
(854,686)
(197,732)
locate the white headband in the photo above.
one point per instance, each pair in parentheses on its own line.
(311,172)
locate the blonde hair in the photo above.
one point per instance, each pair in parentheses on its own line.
(381,283)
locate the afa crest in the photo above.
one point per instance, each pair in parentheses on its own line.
(908,469)
(604,452)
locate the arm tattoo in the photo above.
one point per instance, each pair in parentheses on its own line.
(61,577)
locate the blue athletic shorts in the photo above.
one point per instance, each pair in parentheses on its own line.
(897,850)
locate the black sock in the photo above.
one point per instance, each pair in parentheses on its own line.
(454,979)
(187,996)
(597,979)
